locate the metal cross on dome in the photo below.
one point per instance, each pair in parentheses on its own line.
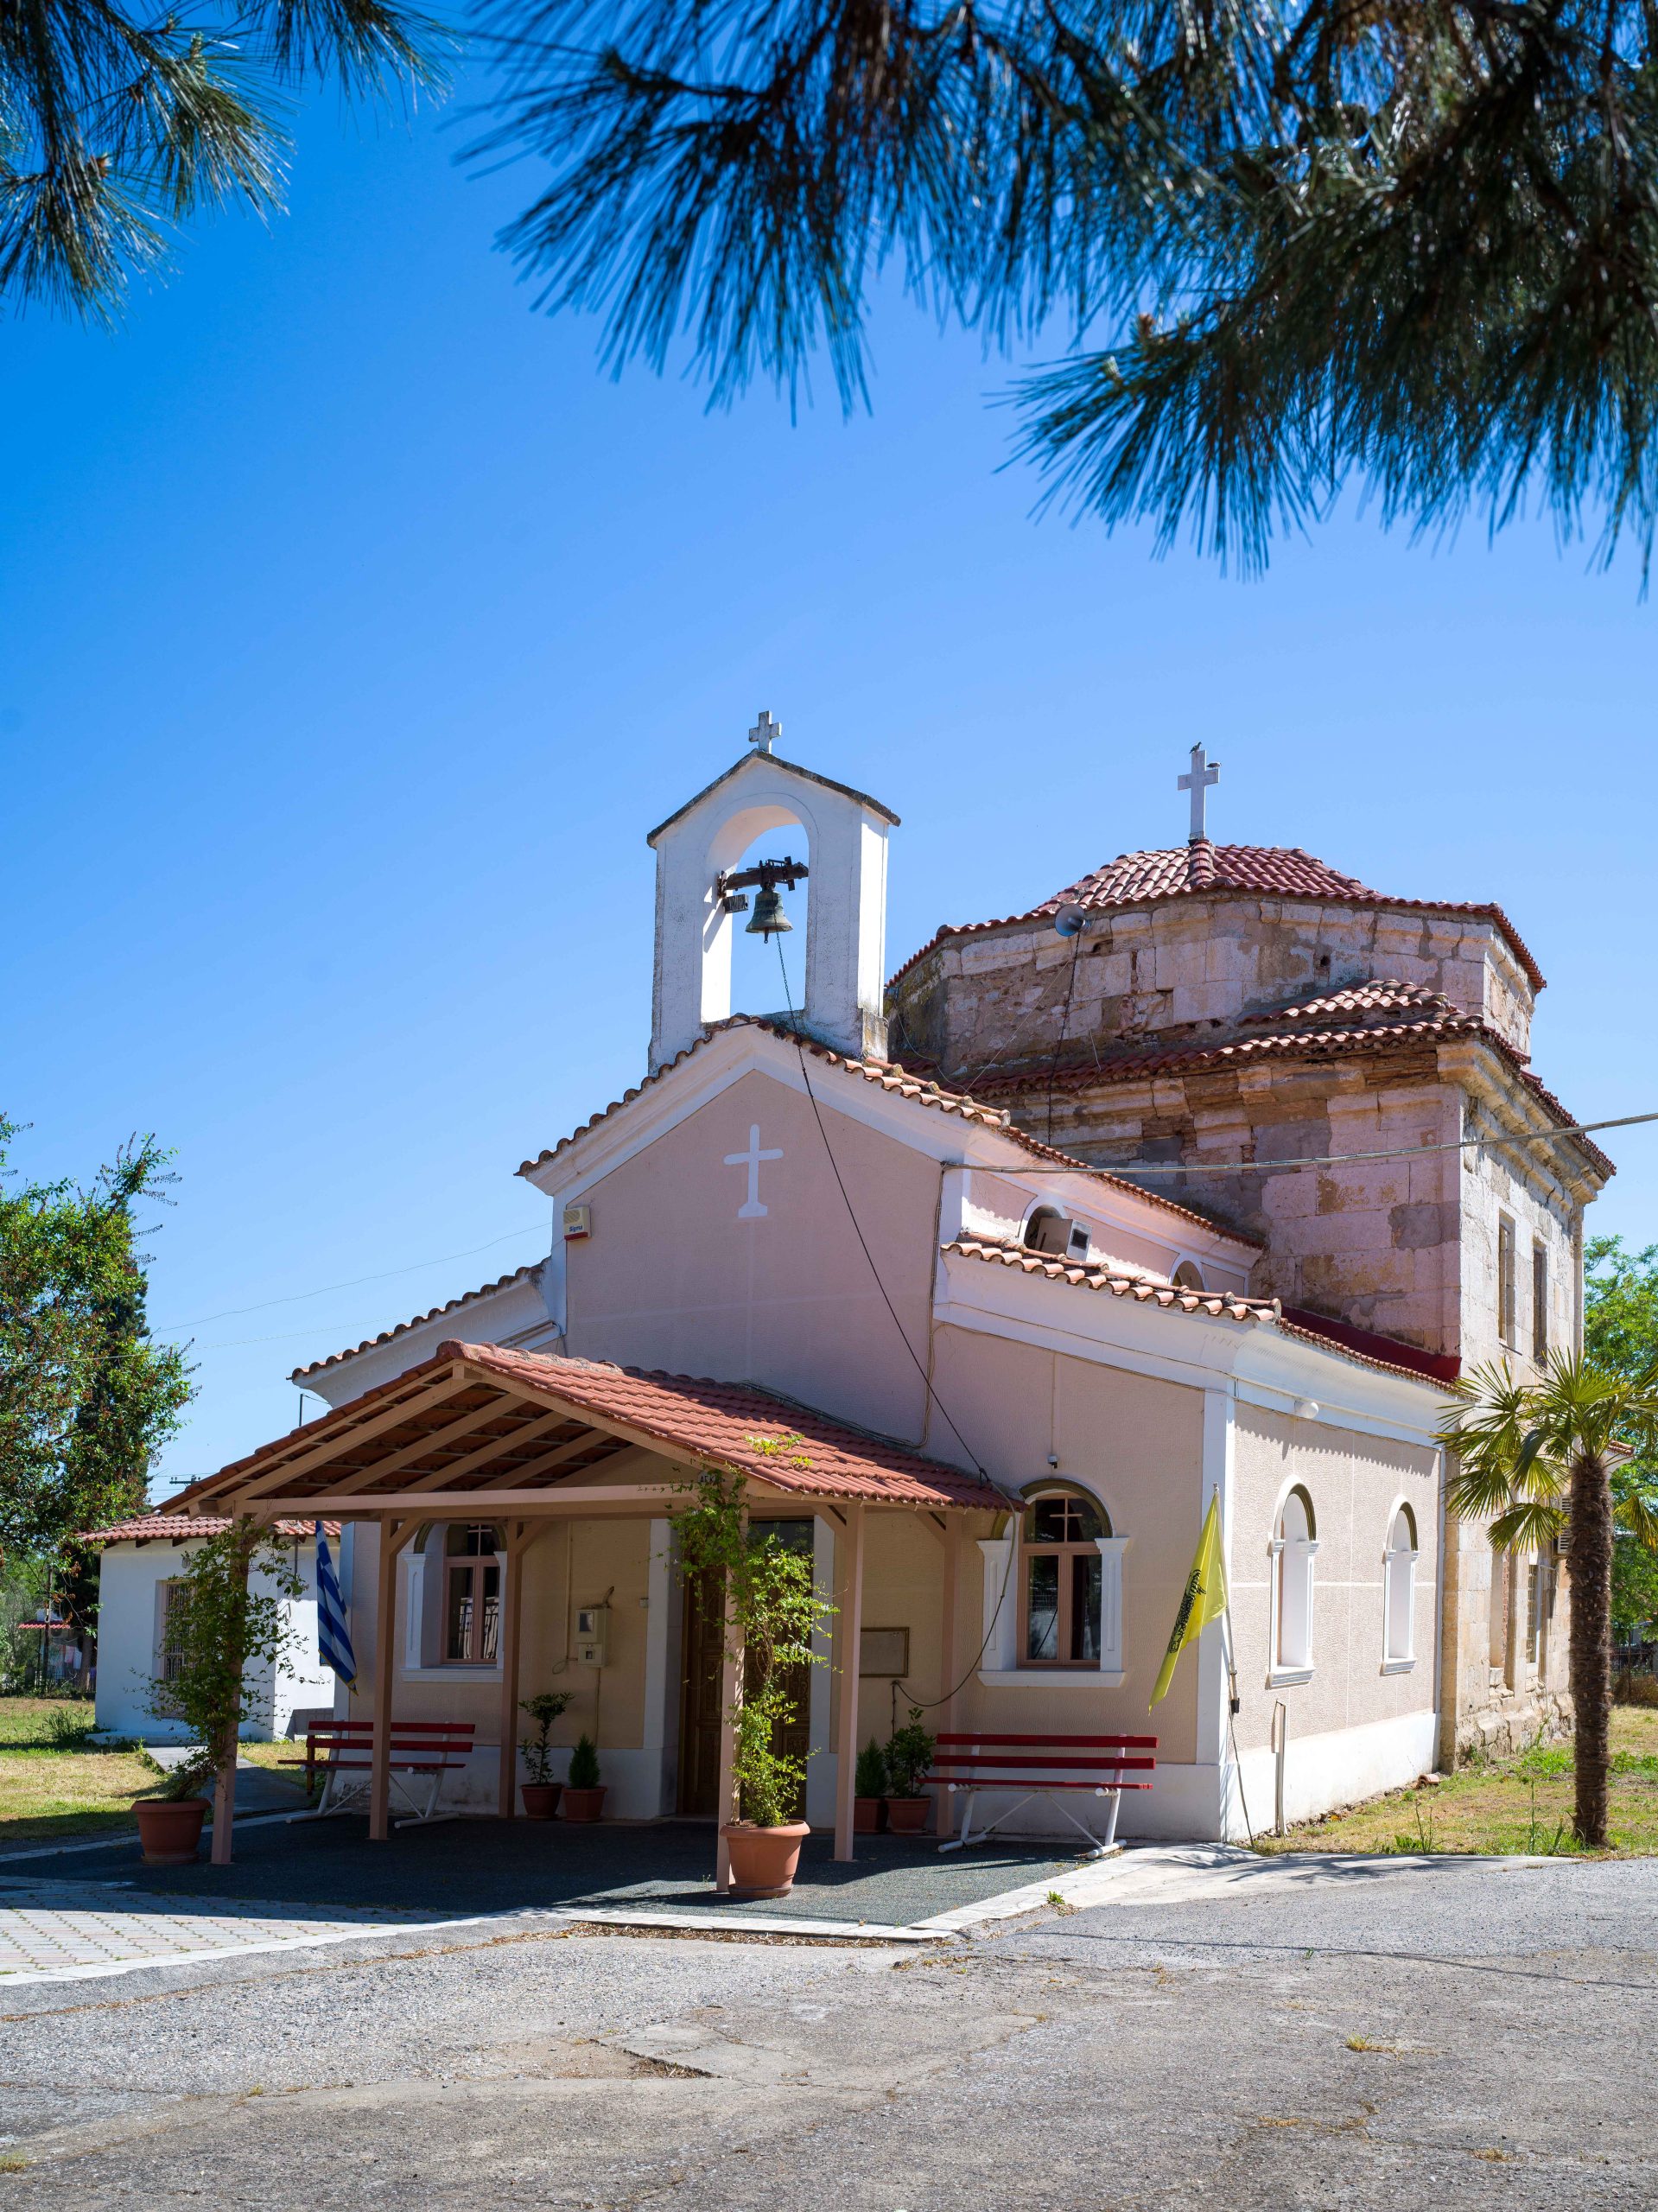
(1204,772)
(766,732)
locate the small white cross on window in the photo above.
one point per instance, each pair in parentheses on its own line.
(1203,773)
(753,1211)
(766,732)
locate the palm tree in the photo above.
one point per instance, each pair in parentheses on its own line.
(1545,1459)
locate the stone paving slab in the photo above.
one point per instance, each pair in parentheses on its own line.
(58,1931)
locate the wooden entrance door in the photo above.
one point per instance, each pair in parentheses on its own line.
(699,1731)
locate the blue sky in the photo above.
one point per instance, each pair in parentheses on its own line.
(356,626)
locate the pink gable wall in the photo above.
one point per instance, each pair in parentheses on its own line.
(672,1277)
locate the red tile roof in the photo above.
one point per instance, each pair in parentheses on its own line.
(737,1426)
(727,1424)
(1296,1044)
(1206,870)
(1383,995)
(1224,1306)
(419,1321)
(892,1076)
(176,1528)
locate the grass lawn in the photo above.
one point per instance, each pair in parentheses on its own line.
(53,1784)
(1522,1804)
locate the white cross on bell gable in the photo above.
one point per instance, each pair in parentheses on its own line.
(766,732)
(752,1210)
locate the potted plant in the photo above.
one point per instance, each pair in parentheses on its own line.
(869,1789)
(219,1628)
(540,1792)
(584,1794)
(908,1754)
(773,1613)
(170,1823)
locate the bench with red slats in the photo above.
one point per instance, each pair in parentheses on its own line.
(429,1748)
(1039,1766)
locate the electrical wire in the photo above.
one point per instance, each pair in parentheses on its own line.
(298,1297)
(921,1704)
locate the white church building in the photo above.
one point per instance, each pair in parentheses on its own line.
(992,1382)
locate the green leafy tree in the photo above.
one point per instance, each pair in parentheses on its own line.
(1415,239)
(773,1613)
(1620,1332)
(218,1627)
(1535,1459)
(115,127)
(88,1396)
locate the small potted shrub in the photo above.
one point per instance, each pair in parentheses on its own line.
(584,1794)
(908,1754)
(869,1789)
(170,1823)
(540,1793)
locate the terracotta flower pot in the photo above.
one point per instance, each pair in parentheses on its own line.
(907,1816)
(584,1804)
(540,1799)
(763,1860)
(170,1830)
(866,1815)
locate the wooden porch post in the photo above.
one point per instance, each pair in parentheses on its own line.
(947,1631)
(519,1537)
(225,1751)
(393,1536)
(848,1635)
(734,1656)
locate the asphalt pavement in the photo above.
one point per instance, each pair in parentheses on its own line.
(1302,2034)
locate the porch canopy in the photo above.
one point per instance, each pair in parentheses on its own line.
(526,1439)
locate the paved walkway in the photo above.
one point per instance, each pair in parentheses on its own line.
(462,1867)
(64,1931)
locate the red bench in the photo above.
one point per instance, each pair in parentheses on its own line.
(1039,1766)
(427,1748)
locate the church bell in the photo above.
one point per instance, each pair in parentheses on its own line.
(768,918)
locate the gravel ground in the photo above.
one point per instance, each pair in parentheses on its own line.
(1297,2034)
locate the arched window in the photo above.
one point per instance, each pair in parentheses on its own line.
(1189,1275)
(1399,1590)
(1060,1580)
(471,1593)
(1047,1230)
(1294,1542)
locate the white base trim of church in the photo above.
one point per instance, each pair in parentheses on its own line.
(1342,1767)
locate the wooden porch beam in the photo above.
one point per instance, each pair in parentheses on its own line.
(520,1536)
(319,1453)
(361,1478)
(493,1450)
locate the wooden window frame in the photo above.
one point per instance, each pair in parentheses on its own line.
(1081,1547)
(475,1567)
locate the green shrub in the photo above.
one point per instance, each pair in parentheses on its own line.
(544,1709)
(908,1754)
(584,1766)
(869,1776)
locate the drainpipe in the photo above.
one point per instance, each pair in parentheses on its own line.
(1281,1740)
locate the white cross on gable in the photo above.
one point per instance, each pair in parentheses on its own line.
(1203,773)
(766,732)
(753,1211)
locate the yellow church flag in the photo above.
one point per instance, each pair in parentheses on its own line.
(1203,1600)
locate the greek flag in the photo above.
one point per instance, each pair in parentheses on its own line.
(333,1637)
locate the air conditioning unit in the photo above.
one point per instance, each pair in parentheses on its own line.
(592,1635)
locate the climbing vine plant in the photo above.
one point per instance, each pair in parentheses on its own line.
(773,1612)
(218,1626)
